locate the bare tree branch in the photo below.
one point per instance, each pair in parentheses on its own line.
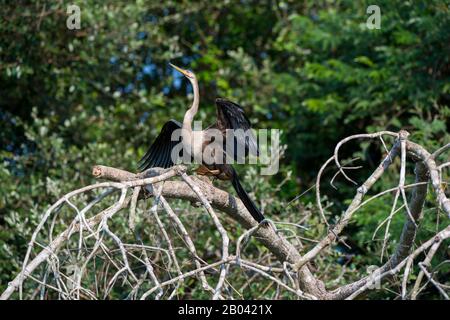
(53,266)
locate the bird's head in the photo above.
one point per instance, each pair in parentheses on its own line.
(188,74)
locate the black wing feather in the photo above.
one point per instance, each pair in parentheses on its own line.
(159,153)
(166,157)
(150,156)
(153,153)
(231,116)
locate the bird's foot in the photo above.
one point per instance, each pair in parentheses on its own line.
(202,174)
(204,171)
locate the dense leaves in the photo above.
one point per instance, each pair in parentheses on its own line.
(98,95)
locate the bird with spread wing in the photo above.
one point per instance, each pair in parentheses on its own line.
(230,116)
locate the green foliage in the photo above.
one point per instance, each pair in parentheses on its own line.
(99,95)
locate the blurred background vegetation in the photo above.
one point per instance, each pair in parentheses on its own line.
(70,99)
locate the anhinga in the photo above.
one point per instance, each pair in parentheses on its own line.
(229,116)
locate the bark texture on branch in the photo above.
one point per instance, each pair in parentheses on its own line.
(227,203)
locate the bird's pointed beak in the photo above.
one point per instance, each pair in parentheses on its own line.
(179,69)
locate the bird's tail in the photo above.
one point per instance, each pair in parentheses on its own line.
(248,203)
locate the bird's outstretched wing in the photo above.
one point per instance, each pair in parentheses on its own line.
(231,116)
(159,153)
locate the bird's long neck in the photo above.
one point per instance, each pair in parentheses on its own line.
(189,115)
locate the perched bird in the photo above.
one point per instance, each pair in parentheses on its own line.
(229,116)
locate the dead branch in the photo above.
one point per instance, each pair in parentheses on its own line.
(97,243)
